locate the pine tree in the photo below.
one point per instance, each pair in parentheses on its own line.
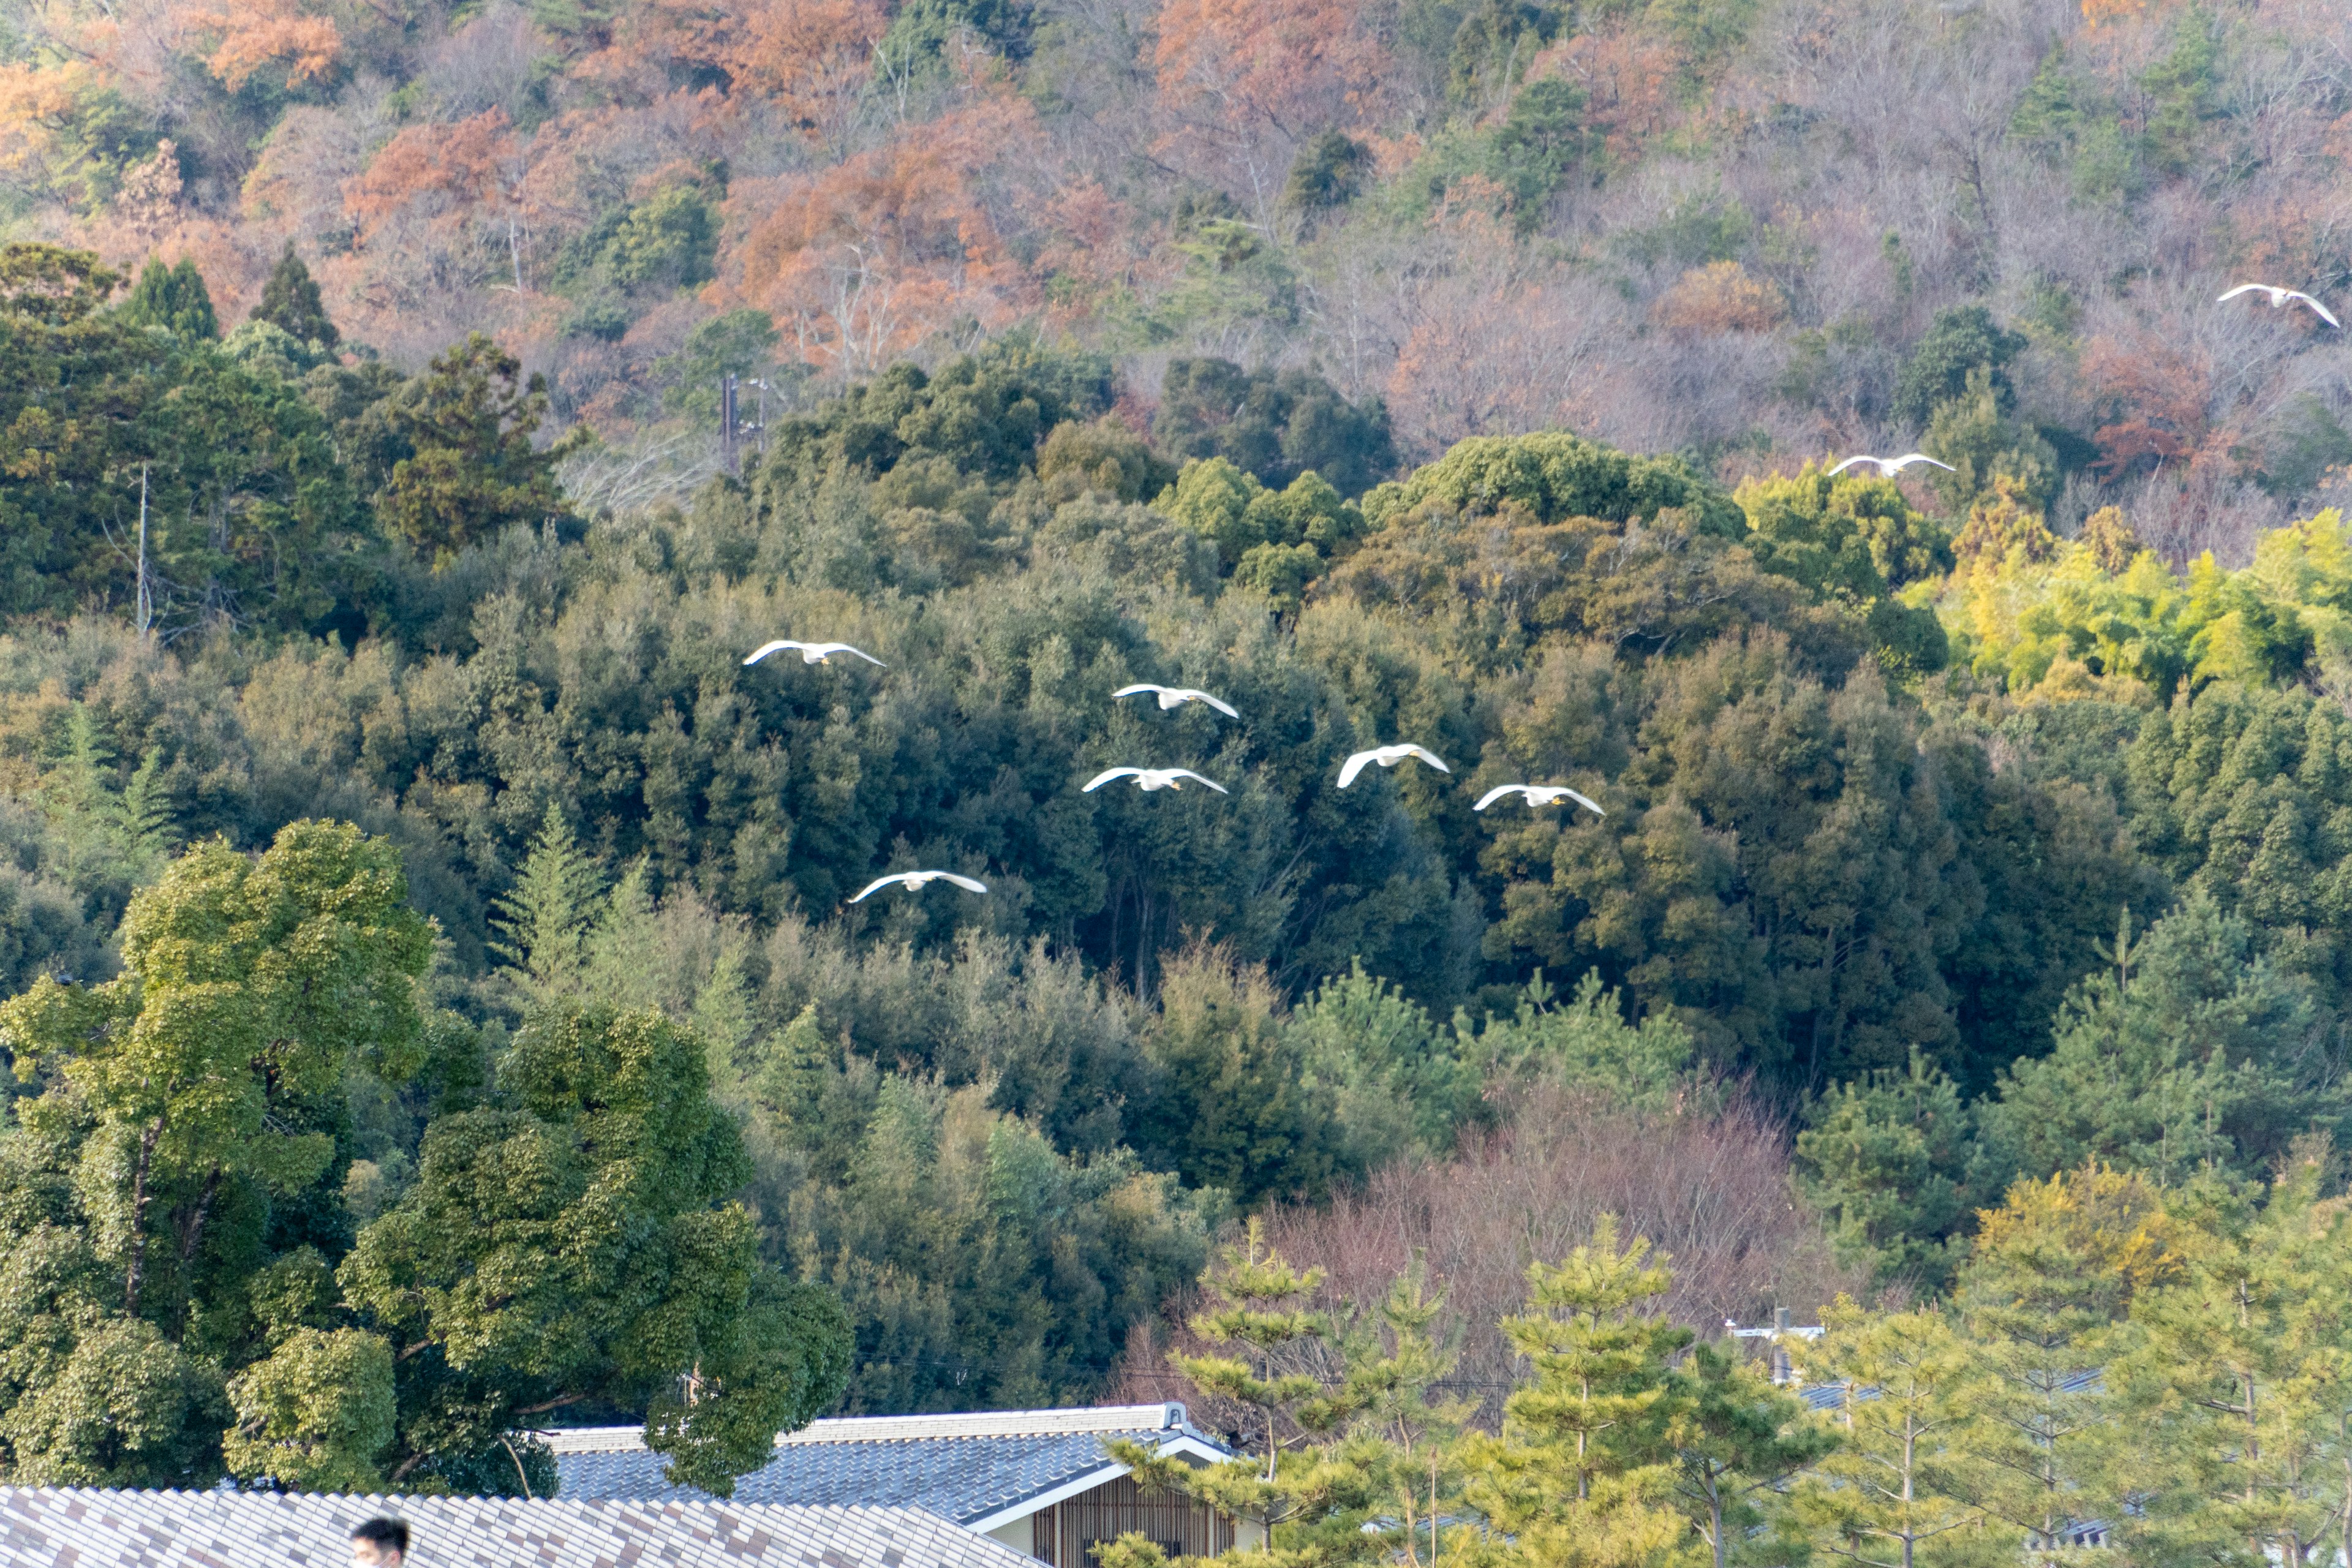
(544,924)
(2195,1050)
(1397,1460)
(1734,1439)
(115,837)
(1255,1316)
(2235,1406)
(2054,1271)
(1582,1473)
(620,968)
(173,297)
(290,302)
(1889,1497)
(147,817)
(473,467)
(1378,1467)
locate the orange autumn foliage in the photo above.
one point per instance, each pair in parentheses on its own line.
(2151,395)
(250,34)
(1296,65)
(444,173)
(34,102)
(812,59)
(1628,83)
(866,260)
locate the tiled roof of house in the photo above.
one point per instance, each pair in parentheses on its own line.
(964,1467)
(87,1528)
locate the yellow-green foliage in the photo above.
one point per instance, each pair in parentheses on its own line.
(2308,564)
(2067,628)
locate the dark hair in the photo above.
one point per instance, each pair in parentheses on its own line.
(389,1532)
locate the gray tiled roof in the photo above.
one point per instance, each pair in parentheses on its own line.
(86,1527)
(963,1478)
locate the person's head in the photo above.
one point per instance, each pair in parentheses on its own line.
(379,1544)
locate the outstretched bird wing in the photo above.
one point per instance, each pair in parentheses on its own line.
(767,648)
(1425,754)
(878,883)
(1585,801)
(1139,687)
(1849,463)
(1216,702)
(1499,792)
(1189,774)
(1354,765)
(831,647)
(2324,314)
(1107,775)
(969,884)
(2248,288)
(1907,458)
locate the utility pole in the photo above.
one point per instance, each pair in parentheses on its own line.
(727,455)
(146,596)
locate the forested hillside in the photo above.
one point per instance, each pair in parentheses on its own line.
(376,613)
(1745,230)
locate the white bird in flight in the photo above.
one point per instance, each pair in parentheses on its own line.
(1388,757)
(1150,778)
(914,881)
(1890,467)
(1539,795)
(2279,297)
(1176,697)
(811,652)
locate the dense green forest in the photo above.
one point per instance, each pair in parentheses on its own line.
(414,879)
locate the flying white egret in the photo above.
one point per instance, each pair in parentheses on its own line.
(811,652)
(1150,778)
(1176,697)
(2279,297)
(1539,795)
(1890,467)
(914,881)
(1388,757)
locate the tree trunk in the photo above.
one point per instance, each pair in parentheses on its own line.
(136,1275)
(189,1238)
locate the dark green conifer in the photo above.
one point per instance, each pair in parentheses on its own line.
(290,301)
(173,297)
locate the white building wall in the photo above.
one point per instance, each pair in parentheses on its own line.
(1017,1534)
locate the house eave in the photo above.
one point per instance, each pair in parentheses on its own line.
(1110,1470)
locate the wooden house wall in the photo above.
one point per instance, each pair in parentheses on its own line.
(1066,1533)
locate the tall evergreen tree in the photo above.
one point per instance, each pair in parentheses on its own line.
(2236,1404)
(573,1238)
(2043,1299)
(545,923)
(1892,1495)
(173,297)
(2193,1049)
(204,1092)
(1583,1471)
(290,302)
(468,467)
(1735,1439)
(1892,1160)
(1258,1320)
